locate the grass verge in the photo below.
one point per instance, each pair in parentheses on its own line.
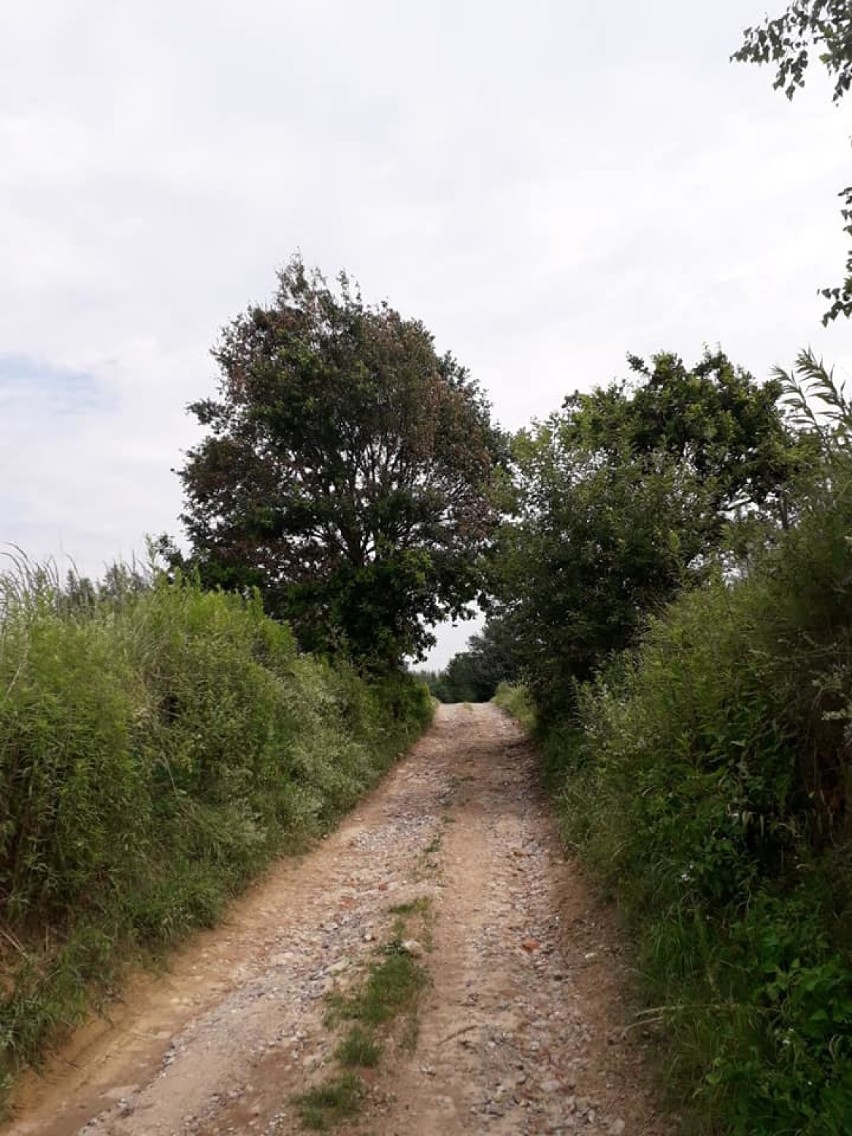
(516,701)
(159,745)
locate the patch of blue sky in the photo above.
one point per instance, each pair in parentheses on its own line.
(62,390)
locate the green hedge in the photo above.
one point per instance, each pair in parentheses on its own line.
(706,781)
(157,749)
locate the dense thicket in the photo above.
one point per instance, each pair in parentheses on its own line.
(624,497)
(705,777)
(159,745)
(348,472)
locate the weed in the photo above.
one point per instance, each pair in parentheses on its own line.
(388,997)
(393,988)
(419,906)
(326,1105)
(358,1049)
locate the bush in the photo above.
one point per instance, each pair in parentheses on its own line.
(160,745)
(516,700)
(707,784)
(624,498)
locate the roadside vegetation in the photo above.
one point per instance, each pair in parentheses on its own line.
(160,745)
(678,576)
(698,744)
(164,735)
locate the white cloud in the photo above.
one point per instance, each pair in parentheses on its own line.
(548,186)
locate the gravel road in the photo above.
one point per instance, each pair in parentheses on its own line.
(521,1031)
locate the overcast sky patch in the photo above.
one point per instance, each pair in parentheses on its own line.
(548,186)
(44,389)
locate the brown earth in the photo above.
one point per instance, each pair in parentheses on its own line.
(521,1031)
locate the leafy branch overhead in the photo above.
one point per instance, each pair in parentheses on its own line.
(788,41)
(824,28)
(348,471)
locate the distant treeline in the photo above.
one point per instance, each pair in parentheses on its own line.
(474,675)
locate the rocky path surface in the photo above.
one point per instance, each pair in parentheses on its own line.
(521,1030)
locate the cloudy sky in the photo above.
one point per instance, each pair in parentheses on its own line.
(548,185)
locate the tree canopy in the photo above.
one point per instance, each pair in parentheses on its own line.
(624,497)
(713,419)
(348,471)
(787,43)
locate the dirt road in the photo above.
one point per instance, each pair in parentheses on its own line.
(521,1030)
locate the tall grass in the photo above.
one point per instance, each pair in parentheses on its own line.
(707,783)
(516,700)
(158,746)
(706,779)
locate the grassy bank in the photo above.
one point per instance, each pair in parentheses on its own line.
(516,700)
(158,746)
(705,781)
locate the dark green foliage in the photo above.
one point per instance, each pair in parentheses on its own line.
(705,776)
(698,794)
(786,42)
(157,747)
(708,784)
(474,675)
(348,472)
(713,421)
(459,681)
(623,498)
(841,295)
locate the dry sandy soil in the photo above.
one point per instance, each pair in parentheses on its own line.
(521,1030)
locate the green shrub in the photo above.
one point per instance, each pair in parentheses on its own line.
(706,781)
(515,700)
(157,747)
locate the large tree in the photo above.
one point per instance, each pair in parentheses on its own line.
(348,471)
(787,42)
(624,497)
